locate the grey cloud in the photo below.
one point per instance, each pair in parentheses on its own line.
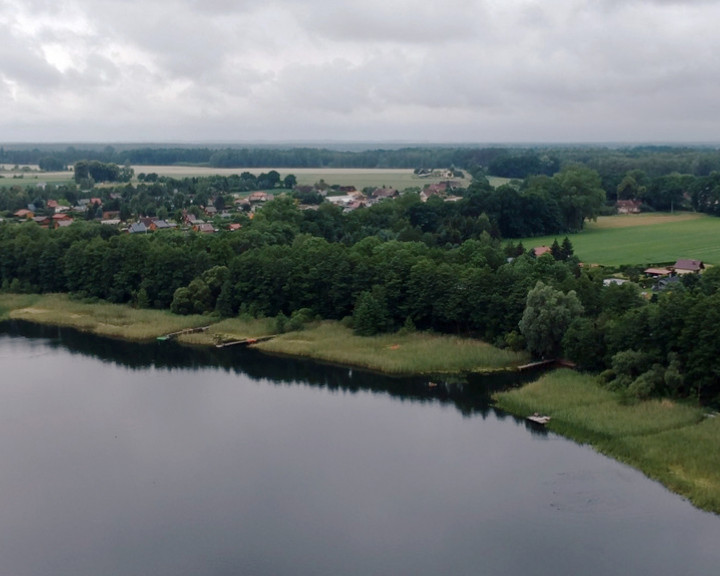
(404,69)
(401,21)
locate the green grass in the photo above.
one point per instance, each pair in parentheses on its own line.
(414,353)
(10,302)
(111,320)
(643,239)
(673,443)
(31,177)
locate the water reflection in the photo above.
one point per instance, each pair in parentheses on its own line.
(129,460)
(471,395)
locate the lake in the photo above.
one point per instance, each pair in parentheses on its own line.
(126,459)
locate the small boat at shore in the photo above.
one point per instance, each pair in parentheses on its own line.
(539,419)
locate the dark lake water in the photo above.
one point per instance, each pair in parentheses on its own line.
(119,459)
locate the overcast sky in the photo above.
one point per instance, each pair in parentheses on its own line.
(357,70)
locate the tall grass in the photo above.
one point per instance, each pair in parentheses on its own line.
(10,302)
(112,320)
(674,443)
(413,353)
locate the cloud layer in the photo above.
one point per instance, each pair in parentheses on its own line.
(461,70)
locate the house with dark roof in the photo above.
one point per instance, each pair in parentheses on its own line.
(161,225)
(687,266)
(137,228)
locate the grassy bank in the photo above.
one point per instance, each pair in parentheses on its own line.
(111,320)
(10,302)
(413,353)
(643,239)
(673,443)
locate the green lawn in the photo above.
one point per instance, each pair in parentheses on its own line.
(643,239)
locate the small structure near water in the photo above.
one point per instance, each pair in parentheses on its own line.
(539,419)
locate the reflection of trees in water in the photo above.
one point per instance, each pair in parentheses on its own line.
(471,394)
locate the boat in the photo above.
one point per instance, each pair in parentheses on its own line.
(539,419)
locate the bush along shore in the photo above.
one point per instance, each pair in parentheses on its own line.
(404,353)
(671,442)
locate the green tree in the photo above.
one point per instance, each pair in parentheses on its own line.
(371,315)
(290,181)
(548,314)
(581,195)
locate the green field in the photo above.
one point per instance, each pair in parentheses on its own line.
(358,177)
(643,239)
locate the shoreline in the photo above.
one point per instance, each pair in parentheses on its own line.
(671,442)
(399,354)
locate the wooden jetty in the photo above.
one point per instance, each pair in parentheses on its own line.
(186,331)
(245,342)
(554,363)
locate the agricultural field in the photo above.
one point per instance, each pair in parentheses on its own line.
(31,176)
(640,239)
(358,177)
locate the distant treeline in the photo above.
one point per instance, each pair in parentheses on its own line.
(511,162)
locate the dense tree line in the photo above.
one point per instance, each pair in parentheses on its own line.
(366,268)
(612,163)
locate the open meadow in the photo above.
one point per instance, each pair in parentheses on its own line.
(640,239)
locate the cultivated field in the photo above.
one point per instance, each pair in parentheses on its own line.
(30,175)
(358,177)
(644,239)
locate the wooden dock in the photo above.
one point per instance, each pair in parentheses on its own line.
(186,331)
(246,342)
(555,362)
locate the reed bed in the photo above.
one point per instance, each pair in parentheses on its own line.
(111,320)
(412,353)
(671,442)
(10,302)
(686,460)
